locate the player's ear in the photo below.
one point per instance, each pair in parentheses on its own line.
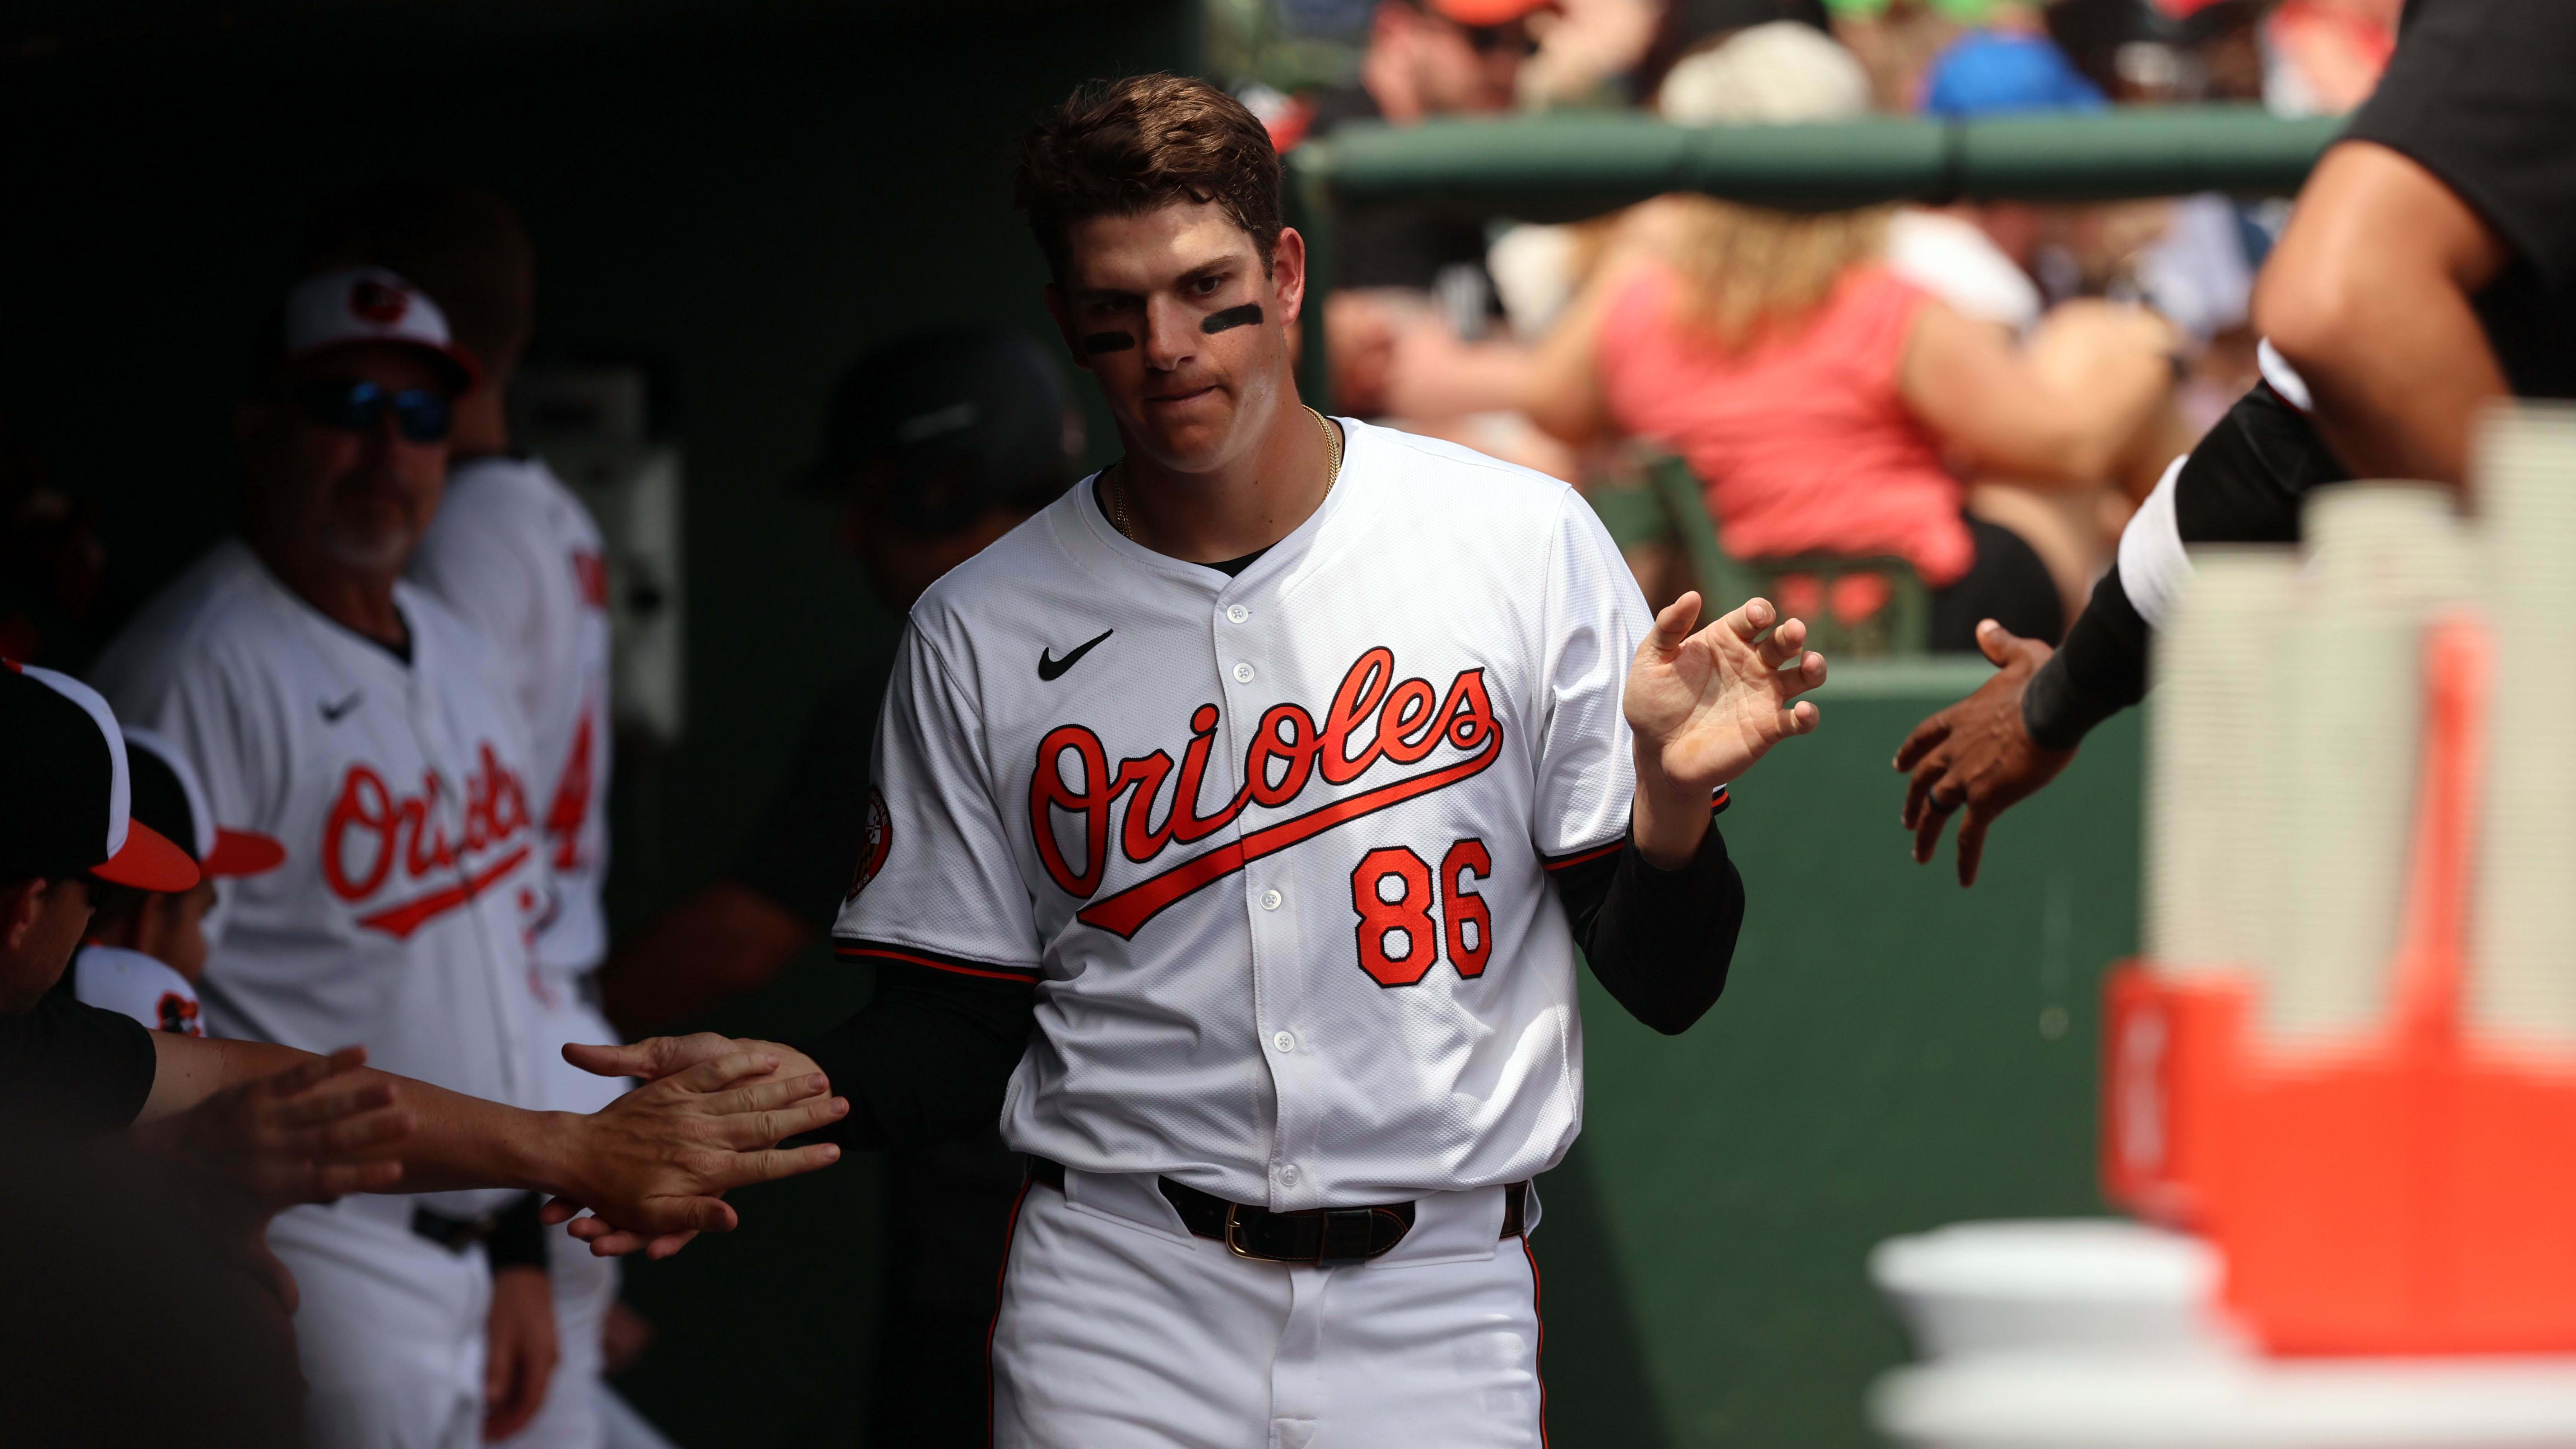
(21,901)
(1063,316)
(1288,275)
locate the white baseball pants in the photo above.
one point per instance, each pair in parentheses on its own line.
(390,1331)
(1119,1330)
(584,1286)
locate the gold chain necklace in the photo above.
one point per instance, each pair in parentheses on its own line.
(1117,510)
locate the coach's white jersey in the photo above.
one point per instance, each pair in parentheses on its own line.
(1273,847)
(413,872)
(130,983)
(515,554)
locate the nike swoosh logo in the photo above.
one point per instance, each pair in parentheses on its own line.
(1051,668)
(332,713)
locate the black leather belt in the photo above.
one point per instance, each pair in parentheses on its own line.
(454,1234)
(1311,1235)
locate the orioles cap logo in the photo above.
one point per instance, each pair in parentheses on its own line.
(373,301)
(872,851)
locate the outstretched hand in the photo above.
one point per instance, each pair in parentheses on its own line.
(1704,707)
(654,1165)
(1977,754)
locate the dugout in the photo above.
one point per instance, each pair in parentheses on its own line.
(747,192)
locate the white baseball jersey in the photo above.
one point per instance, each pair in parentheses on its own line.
(413,871)
(515,554)
(130,983)
(1272,847)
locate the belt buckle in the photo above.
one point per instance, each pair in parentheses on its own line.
(1234,1239)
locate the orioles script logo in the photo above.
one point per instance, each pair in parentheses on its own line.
(372,830)
(1402,722)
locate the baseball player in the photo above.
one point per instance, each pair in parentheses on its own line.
(1236,824)
(146,949)
(339,710)
(515,555)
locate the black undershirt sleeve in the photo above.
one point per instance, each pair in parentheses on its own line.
(1659,940)
(2243,483)
(71,1070)
(518,1237)
(927,1059)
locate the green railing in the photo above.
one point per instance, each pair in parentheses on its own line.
(1551,167)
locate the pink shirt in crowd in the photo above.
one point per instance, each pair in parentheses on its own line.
(1802,439)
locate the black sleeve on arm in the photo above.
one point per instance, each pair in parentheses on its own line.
(2243,483)
(2099,671)
(1659,940)
(68,1069)
(928,1058)
(518,1238)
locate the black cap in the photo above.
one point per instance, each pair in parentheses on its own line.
(966,417)
(65,796)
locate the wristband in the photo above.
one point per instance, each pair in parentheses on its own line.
(2099,671)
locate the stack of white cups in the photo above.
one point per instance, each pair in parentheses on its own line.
(2522,987)
(2382,560)
(2214,880)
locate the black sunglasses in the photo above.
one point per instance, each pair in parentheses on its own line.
(1486,39)
(356,406)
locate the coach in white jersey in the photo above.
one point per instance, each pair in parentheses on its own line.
(516,555)
(1245,810)
(360,723)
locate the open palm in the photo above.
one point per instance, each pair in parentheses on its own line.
(1705,706)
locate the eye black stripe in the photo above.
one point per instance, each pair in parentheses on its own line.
(1232,317)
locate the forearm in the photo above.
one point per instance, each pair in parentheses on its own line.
(456,1141)
(459,1141)
(1660,941)
(1667,820)
(927,1060)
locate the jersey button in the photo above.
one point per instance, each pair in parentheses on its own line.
(1286,1041)
(1243,674)
(1236,613)
(1270,900)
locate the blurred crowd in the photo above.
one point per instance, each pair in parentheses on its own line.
(1983,391)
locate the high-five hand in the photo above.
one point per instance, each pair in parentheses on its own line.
(657,1162)
(1703,707)
(1977,754)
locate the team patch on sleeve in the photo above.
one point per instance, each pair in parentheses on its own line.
(873,850)
(851,949)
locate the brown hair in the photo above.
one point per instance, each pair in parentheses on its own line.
(461,244)
(1117,148)
(1747,272)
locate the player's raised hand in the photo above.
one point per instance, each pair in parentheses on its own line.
(654,1164)
(1705,706)
(1977,754)
(308,1134)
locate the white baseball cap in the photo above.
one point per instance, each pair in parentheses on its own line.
(369,304)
